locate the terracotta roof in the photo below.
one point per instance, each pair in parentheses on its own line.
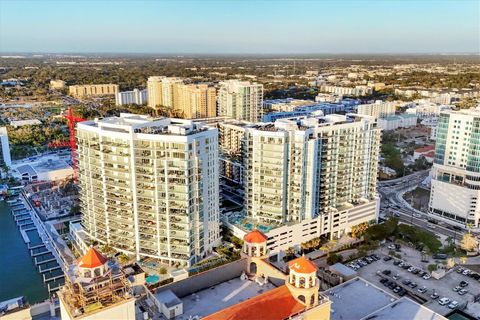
(255,236)
(425,149)
(92,259)
(275,304)
(302,265)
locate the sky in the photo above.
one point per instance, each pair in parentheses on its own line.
(240,26)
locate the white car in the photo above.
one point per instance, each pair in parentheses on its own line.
(391,247)
(444,301)
(427,276)
(453,304)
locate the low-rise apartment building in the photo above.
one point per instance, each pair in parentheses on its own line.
(82,91)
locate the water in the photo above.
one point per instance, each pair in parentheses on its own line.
(152,279)
(18,275)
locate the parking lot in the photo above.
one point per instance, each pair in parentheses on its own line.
(444,287)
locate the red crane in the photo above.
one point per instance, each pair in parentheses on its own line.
(71,121)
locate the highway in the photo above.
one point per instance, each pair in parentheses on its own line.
(391,201)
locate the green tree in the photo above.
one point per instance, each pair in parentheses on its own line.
(432,267)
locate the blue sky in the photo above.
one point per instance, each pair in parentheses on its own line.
(240,26)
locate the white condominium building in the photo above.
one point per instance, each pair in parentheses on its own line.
(379,109)
(5,158)
(455,187)
(131,97)
(300,169)
(347,91)
(240,100)
(149,187)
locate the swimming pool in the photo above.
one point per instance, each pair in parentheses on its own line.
(151,279)
(249,226)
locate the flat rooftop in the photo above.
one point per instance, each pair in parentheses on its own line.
(221,296)
(356,299)
(404,308)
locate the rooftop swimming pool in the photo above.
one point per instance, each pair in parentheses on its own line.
(249,226)
(152,279)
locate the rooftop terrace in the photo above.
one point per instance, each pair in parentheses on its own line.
(356,299)
(221,296)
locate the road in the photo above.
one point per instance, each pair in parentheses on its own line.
(391,192)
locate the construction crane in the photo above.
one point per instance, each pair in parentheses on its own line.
(71,143)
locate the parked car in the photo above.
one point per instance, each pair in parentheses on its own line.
(406,282)
(391,247)
(396,277)
(462,292)
(383,280)
(422,289)
(411,269)
(427,276)
(463,284)
(413,285)
(460,270)
(388,258)
(392,285)
(453,304)
(457,288)
(386,272)
(466,272)
(397,289)
(434,295)
(444,301)
(402,292)
(397,262)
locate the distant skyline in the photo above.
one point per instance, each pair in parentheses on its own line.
(241,27)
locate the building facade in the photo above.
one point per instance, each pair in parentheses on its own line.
(5,158)
(398,121)
(240,100)
(191,100)
(161,91)
(297,170)
(132,97)
(379,109)
(196,100)
(455,186)
(82,91)
(347,91)
(57,84)
(305,177)
(150,187)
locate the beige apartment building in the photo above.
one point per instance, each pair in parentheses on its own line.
(57,84)
(81,91)
(163,91)
(196,100)
(192,100)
